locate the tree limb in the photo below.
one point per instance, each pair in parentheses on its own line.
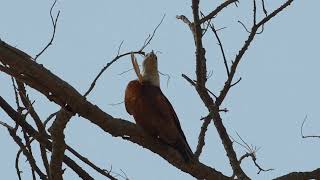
(55,89)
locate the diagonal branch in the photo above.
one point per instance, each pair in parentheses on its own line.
(201,137)
(244,48)
(217,10)
(221,48)
(63,94)
(27,153)
(27,104)
(17,118)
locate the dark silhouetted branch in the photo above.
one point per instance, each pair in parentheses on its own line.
(118,56)
(221,48)
(315,174)
(201,138)
(63,94)
(58,144)
(217,10)
(54,25)
(17,118)
(301,130)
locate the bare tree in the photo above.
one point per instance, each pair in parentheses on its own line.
(26,71)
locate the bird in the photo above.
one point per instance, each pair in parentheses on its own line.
(151,109)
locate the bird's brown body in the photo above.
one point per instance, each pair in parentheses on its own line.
(151,110)
(154,113)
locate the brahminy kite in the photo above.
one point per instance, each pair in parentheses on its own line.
(151,109)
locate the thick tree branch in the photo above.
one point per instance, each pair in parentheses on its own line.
(315,174)
(58,144)
(17,118)
(22,67)
(201,72)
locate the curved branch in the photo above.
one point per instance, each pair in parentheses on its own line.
(55,89)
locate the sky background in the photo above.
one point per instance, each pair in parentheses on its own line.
(279,86)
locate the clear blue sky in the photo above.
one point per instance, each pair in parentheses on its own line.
(279,80)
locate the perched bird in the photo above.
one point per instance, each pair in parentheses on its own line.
(150,108)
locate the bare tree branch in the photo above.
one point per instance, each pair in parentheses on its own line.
(86,160)
(251,152)
(65,95)
(201,72)
(17,118)
(54,25)
(195,85)
(27,103)
(201,137)
(27,153)
(244,48)
(187,21)
(217,10)
(306,136)
(140,51)
(221,48)
(315,174)
(58,144)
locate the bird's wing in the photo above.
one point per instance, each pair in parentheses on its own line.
(130,97)
(164,108)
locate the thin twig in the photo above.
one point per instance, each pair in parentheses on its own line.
(54,25)
(118,56)
(264,8)
(17,165)
(149,38)
(301,130)
(244,48)
(167,75)
(244,26)
(254,12)
(86,160)
(217,10)
(116,104)
(195,85)
(28,155)
(251,152)
(49,118)
(221,48)
(236,82)
(28,105)
(19,108)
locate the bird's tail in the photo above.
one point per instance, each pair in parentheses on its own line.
(185,151)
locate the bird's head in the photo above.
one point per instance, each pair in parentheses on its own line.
(150,72)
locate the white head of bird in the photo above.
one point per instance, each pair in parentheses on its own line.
(150,69)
